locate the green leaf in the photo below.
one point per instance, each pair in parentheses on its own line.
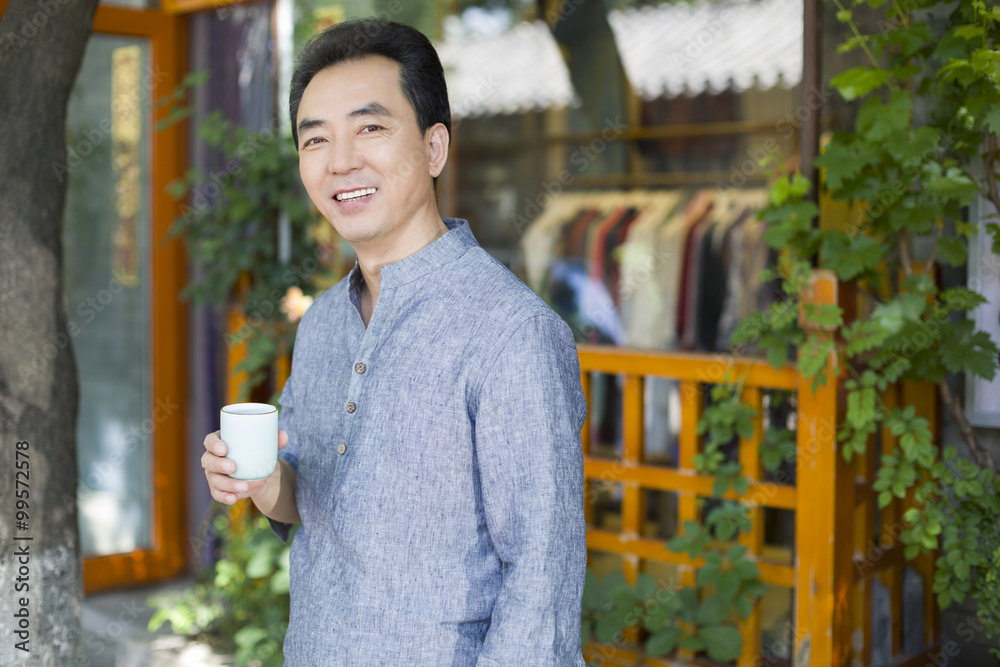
(962,299)
(777,355)
(953,183)
(963,348)
(679,544)
(720,486)
(864,335)
(692,643)
(707,574)
(663,642)
(591,591)
(586,629)
(843,162)
(736,552)
(859,81)
(911,38)
(746,569)
(814,357)
(723,643)
(688,600)
(249,636)
(850,257)
(794,187)
(740,485)
(884,499)
(656,614)
(611,624)
(713,610)
(827,315)
(892,316)
(880,121)
(728,585)
(861,407)
(645,586)
(260,565)
(953,250)
(969,32)
(754,588)
(614,588)
(743,606)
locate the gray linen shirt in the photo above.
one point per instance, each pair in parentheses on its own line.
(439,470)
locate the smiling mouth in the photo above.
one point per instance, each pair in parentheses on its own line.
(355,195)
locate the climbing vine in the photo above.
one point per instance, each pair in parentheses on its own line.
(922,150)
(697,618)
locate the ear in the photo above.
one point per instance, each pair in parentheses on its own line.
(437,142)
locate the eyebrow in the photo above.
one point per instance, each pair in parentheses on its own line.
(309,123)
(370,109)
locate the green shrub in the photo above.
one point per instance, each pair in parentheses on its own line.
(241,605)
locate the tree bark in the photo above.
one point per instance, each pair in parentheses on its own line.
(41,48)
(588,44)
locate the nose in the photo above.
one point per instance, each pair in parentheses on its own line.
(344,157)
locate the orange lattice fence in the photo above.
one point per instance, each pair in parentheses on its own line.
(827,576)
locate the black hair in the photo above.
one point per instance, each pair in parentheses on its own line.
(421,75)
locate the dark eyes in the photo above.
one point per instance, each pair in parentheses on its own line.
(367,129)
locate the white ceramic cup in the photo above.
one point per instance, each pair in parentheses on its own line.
(250,431)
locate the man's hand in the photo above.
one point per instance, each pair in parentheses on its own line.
(224,488)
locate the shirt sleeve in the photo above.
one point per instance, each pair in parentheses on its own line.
(527,427)
(286,423)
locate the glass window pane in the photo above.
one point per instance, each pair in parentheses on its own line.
(106,245)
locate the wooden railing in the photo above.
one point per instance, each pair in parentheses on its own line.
(833,563)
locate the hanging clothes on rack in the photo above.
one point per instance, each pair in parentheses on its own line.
(673,269)
(658,270)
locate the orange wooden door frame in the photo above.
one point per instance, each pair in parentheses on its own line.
(168,331)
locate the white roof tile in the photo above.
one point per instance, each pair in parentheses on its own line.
(517,71)
(667,50)
(675,49)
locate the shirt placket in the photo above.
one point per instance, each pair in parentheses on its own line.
(363,366)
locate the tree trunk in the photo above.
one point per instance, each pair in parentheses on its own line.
(41,47)
(588,44)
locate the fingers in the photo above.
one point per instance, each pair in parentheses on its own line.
(225,489)
(214,444)
(212,463)
(217,468)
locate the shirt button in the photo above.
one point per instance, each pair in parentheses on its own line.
(351,407)
(359,368)
(342,448)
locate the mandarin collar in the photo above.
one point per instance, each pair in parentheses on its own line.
(451,245)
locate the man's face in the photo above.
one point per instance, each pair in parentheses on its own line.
(362,158)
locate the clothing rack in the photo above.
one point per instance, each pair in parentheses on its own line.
(650,269)
(659,270)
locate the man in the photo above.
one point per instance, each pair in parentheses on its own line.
(431,424)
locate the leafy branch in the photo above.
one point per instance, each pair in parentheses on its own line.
(697,618)
(913,180)
(230,223)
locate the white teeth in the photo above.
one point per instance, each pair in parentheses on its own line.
(354,194)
